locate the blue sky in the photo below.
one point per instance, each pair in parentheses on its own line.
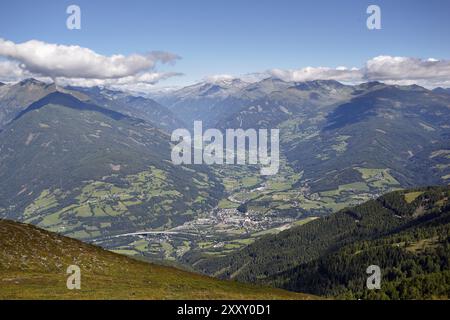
(238,37)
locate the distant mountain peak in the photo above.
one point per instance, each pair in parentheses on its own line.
(31,81)
(224,82)
(318,84)
(328,82)
(272,79)
(440,90)
(211,88)
(415,87)
(105,92)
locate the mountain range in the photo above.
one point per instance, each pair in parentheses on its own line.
(94,163)
(133,106)
(204,101)
(328,128)
(86,170)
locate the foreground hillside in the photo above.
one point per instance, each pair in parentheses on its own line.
(33,265)
(406,233)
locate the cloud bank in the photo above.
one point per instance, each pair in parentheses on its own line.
(428,72)
(11,71)
(80,65)
(219,77)
(395,70)
(319,73)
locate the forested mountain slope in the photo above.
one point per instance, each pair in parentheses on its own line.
(406,233)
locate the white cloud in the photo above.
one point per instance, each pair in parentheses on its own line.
(320,73)
(387,68)
(56,61)
(150,78)
(247,78)
(394,70)
(11,71)
(219,77)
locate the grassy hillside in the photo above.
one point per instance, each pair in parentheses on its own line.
(406,233)
(33,265)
